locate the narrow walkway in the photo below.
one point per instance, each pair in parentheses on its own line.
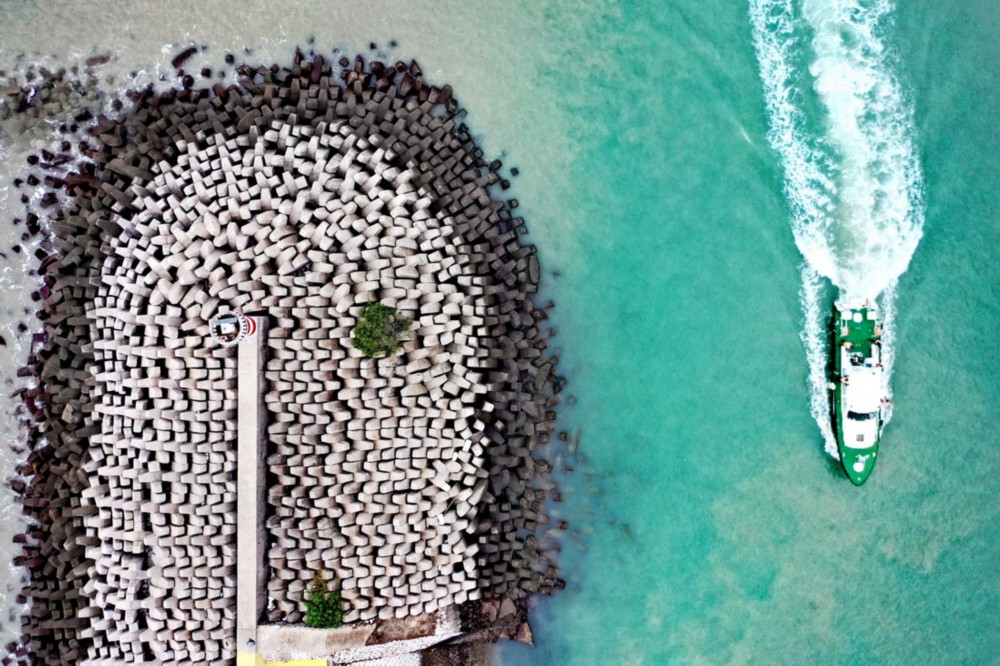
(251,583)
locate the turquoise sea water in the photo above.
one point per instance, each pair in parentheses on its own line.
(707,524)
(712,527)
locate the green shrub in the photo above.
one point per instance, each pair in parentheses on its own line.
(323,609)
(378,329)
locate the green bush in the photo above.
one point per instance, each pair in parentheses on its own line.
(323,609)
(377,332)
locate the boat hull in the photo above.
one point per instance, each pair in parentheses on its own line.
(857,400)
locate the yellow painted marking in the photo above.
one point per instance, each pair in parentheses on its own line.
(249,659)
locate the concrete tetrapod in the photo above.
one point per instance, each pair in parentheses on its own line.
(257,198)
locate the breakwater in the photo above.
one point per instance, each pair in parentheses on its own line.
(301,193)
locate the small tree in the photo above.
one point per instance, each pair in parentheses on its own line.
(377,331)
(323,609)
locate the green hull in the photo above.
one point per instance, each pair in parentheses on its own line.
(857,396)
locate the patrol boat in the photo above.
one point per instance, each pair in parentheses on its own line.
(859,402)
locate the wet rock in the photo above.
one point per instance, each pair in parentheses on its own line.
(181,58)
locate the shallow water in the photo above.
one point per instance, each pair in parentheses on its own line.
(707,524)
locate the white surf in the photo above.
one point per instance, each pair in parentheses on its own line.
(842,126)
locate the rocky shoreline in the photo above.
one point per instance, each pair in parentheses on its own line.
(301,193)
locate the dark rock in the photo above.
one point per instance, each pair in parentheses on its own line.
(182,57)
(94,61)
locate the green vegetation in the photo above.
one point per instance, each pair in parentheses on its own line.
(323,609)
(378,330)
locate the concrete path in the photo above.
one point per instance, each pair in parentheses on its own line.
(251,445)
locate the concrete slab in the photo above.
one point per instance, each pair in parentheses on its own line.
(285,643)
(251,446)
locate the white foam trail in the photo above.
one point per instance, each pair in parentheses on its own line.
(817,343)
(888,310)
(843,130)
(808,187)
(852,178)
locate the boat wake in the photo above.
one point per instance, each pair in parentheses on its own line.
(815,339)
(842,126)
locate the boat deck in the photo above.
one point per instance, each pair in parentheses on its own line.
(861,334)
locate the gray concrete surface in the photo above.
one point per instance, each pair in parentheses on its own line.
(251,576)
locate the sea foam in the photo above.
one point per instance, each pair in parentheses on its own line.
(852,177)
(815,341)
